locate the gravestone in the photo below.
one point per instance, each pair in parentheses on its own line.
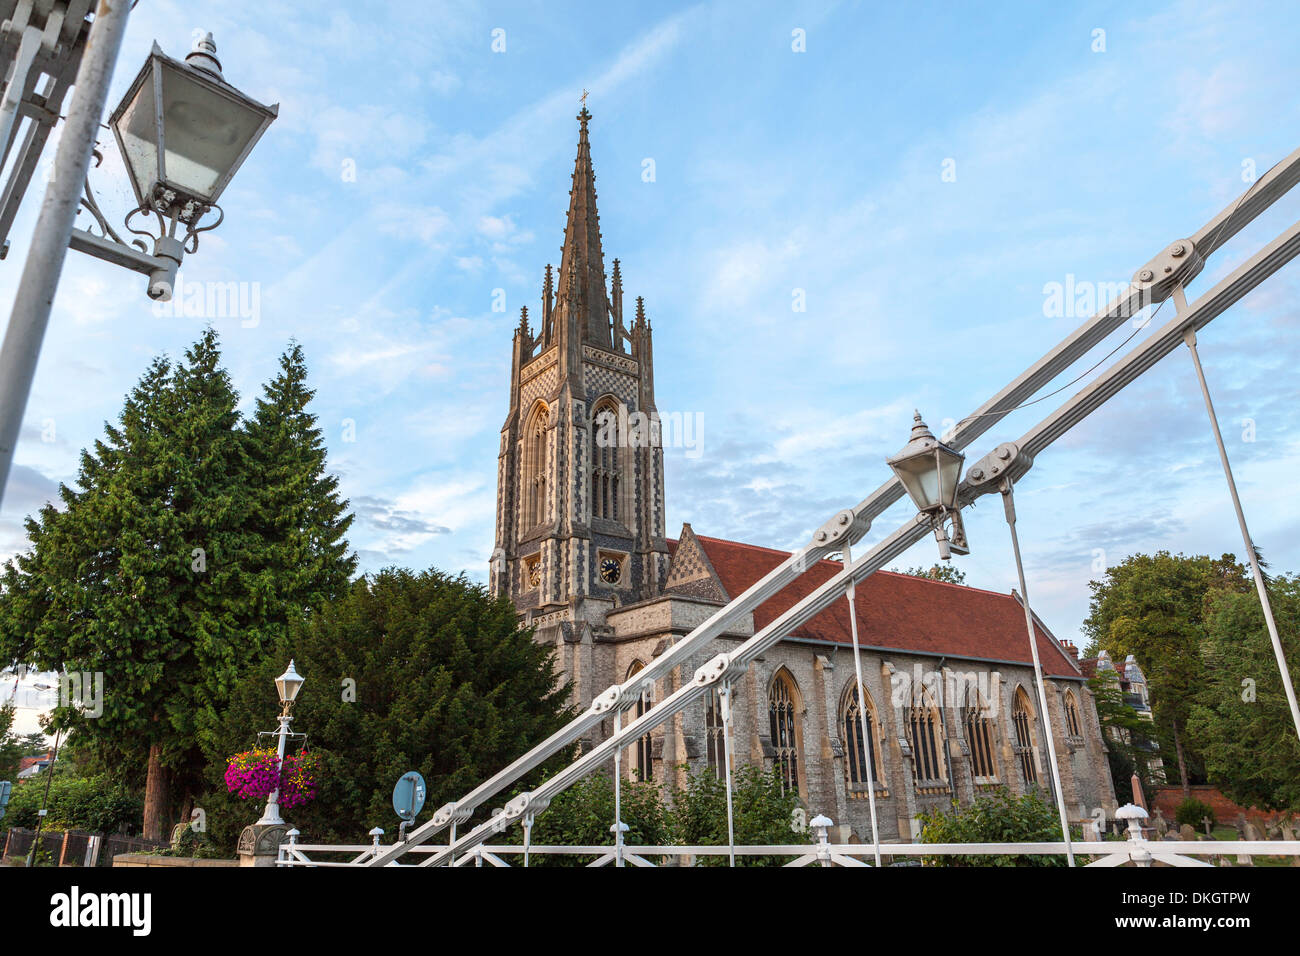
(1209,826)
(1161,824)
(1248,832)
(1186,832)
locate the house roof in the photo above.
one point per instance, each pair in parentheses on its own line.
(895,611)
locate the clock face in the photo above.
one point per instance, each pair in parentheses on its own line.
(610,570)
(535,574)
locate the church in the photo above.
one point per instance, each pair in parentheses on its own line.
(582,550)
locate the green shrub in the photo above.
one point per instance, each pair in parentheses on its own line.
(696,816)
(761,814)
(583,814)
(1191,811)
(75,803)
(997,817)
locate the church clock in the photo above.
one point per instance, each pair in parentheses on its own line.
(611,570)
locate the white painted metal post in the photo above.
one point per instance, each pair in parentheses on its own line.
(618,829)
(28,47)
(851,593)
(618,792)
(1189,336)
(271,815)
(1009,506)
(41,271)
(724,704)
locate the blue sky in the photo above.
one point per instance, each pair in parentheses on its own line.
(775,171)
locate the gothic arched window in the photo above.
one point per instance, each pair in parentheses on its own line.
(1072,725)
(533,470)
(714,745)
(978,728)
(925,735)
(1023,716)
(640,761)
(606,444)
(783,718)
(859,760)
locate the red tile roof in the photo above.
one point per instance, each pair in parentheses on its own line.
(896,611)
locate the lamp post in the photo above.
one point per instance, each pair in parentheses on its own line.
(287,684)
(930,472)
(183,132)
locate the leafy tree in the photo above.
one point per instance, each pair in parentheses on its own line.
(995,817)
(1129,739)
(157,571)
(940,572)
(1240,717)
(406,671)
(1152,606)
(761,814)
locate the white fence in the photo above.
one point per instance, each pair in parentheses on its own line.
(1134,851)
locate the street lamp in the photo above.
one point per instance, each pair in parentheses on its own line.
(183,133)
(287,686)
(930,472)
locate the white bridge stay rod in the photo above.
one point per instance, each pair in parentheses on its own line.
(852,525)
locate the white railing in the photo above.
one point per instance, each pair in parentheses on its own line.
(1136,850)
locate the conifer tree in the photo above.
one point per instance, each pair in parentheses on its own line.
(162,570)
(297,512)
(405,671)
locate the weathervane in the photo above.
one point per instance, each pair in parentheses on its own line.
(584,99)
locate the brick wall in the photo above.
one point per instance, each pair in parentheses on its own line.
(1167,800)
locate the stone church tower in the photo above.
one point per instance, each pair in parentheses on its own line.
(581,551)
(580,479)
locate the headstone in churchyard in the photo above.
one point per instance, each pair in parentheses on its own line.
(1161,824)
(1187,832)
(1248,832)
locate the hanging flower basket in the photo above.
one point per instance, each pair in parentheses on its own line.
(255,774)
(298,779)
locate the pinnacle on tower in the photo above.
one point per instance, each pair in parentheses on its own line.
(582,262)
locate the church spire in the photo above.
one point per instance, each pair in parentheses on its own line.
(582,263)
